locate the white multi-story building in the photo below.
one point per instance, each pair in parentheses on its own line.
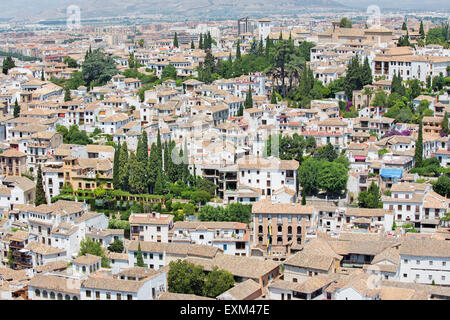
(264,28)
(267,174)
(425,261)
(151,227)
(231,237)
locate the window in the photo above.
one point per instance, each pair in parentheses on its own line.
(405,275)
(417,276)
(430,277)
(160,256)
(443,277)
(201,237)
(431,263)
(444,263)
(37,293)
(129,297)
(97,295)
(108,296)
(225,247)
(417,261)
(119,296)
(406,261)
(88,293)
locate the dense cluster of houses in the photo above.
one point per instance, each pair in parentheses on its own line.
(324,249)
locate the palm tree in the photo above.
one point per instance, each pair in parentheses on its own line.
(294,68)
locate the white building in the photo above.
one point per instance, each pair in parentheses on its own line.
(231,237)
(425,261)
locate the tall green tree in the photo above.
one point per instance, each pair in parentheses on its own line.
(137,183)
(139,258)
(192,44)
(16,111)
(116,166)
(159,184)
(366,72)
(248,99)
(175,40)
(421,30)
(238,50)
(444,125)
(404,27)
(124,169)
(353,78)
(40,192)
(67,96)
(200,41)
(397,85)
(153,167)
(418,154)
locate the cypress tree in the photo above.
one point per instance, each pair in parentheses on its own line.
(366,72)
(67,96)
(418,155)
(153,167)
(139,258)
(158,184)
(240,112)
(260,50)
(42,75)
(159,149)
(268,46)
(142,150)
(428,82)
(166,157)
(40,192)
(185,173)
(123,167)
(16,109)
(404,27)
(175,40)
(303,198)
(249,99)
(137,184)
(200,42)
(444,125)
(273,97)
(238,50)
(421,30)
(116,167)
(192,44)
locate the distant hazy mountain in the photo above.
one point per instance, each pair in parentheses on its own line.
(51,9)
(428,5)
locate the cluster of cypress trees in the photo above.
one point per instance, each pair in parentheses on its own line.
(205,41)
(143,173)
